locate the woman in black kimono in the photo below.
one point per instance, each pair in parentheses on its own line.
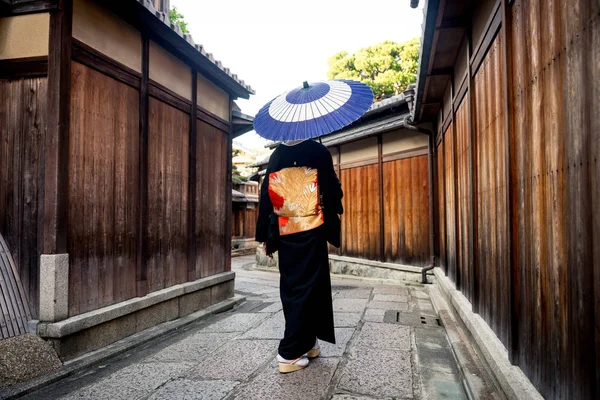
(299,206)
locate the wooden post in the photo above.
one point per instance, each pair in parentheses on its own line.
(55,174)
(191,275)
(473,266)
(457,273)
(142,265)
(513,273)
(228,188)
(381,199)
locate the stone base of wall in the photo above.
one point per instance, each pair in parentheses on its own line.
(351,266)
(83,333)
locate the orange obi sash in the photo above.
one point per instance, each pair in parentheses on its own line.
(294,193)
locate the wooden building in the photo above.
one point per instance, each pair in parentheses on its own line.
(115,188)
(513,89)
(245,213)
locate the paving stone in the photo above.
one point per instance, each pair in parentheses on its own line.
(374,315)
(397,290)
(183,389)
(391,298)
(432,338)
(193,347)
(378,373)
(346,320)
(236,323)
(353,294)
(349,397)
(235,361)
(425,307)
(273,308)
(437,385)
(342,337)
(388,305)
(272,328)
(309,383)
(349,305)
(420,294)
(384,336)
(132,382)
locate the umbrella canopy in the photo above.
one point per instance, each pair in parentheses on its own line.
(313,110)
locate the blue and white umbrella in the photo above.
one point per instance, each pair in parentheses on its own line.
(313,110)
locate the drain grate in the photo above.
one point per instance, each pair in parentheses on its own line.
(411,319)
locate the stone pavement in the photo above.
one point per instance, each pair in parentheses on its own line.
(389,346)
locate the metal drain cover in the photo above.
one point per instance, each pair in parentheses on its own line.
(411,319)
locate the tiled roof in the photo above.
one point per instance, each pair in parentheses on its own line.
(164,17)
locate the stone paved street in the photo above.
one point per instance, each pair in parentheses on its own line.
(389,346)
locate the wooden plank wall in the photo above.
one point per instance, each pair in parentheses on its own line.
(450,208)
(441,209)
(555,58)
(168,175)
(492,211)
(406,211)
(211,204)
(103,190)
(463,177)
(361,236)
(22,123)
(250,223)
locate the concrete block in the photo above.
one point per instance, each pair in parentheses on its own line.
(349,305)
(236,323)
(54,287)
(272,328)
(342,337)
(157,314)
(222,291)
(388,305)
(194,347)
(195,301)
(346,320)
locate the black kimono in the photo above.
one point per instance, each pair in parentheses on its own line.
(299,206)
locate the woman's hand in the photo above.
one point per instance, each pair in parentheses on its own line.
(265,250)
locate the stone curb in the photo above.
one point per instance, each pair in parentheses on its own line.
(97,317)
(513,382)
(98,356)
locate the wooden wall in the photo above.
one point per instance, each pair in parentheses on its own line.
(361,219)
(22,124)
(555,131)
(491,224)
(406,211)
(211,204)
(166,234)
(103,190)
(530,128)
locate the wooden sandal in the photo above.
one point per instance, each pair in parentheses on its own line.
(287,367)
(314,353)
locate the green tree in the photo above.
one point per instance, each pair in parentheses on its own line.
(177,18)
(236,177)
(388,67)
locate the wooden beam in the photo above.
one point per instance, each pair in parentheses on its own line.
(462,90)
(401,155)
(381,199)
(142,260)
(29,67)
(228,188)
(21,7)
(92,58)
(513,273)
(457,274)
(53,216)
(169,97)
(457,23)
(191,220)
(492,27)
(441,72)
(473,265)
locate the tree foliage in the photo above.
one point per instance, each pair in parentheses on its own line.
(388,67)
(236,176)
(177,18)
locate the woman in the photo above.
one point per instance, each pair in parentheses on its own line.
(301,198)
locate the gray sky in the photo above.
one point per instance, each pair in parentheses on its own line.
(276,45)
